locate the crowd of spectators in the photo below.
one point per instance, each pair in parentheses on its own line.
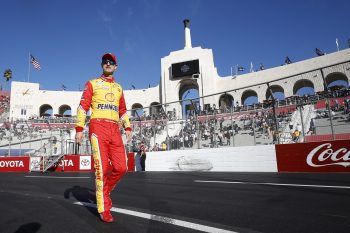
(4,103)
(213,126)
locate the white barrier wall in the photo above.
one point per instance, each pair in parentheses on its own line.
(228,159)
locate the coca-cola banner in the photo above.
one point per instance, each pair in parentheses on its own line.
(325,156)
(14,164)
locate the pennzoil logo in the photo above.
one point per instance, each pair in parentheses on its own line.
(110,97)
(107,107)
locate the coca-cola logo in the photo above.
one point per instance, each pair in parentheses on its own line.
(324,155)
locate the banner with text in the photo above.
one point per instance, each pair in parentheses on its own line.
(74,163)
(14,164)
(325,156)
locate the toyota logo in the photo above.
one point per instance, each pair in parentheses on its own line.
(85,162)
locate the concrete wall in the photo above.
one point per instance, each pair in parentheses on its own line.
(230,159)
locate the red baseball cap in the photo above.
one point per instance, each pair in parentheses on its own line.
(110,56)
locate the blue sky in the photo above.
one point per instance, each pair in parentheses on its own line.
(68,37)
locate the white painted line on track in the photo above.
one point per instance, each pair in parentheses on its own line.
(158,218)
(60,177)
(274,184)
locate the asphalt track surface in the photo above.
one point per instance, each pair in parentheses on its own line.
(172,202)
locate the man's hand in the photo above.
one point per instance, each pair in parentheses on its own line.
(79,137)
(128,135)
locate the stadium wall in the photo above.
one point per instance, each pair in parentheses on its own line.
(325,156)
(231,159)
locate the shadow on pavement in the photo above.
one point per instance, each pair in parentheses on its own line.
(83,194)
(32,227)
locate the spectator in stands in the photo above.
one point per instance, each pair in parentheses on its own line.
(143,156)
(275,136)
(312,128)
(164,147)
(296,135)
(346,106)
(138,158)
(299,128)
(228,137)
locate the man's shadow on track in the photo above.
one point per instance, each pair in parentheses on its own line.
(83,195)
(31,227)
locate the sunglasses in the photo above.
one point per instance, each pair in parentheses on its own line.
(108,62)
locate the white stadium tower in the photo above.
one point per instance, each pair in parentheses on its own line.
(193,68)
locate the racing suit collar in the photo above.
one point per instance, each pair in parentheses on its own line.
(103,77)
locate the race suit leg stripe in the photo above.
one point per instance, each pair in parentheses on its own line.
(98,144)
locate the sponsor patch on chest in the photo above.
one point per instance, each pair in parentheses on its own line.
(107,107)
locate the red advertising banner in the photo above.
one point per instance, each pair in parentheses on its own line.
(84,163)
(74,163)
(131,162)
(14,164)
(325,156)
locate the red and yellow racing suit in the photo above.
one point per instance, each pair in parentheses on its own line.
(108,110)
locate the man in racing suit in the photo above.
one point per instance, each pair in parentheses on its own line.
(105,98)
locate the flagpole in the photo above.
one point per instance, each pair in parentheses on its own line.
(28,67)
(337,42)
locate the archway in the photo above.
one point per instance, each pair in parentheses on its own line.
(278,92)
(137,110)
(249,97)
(226,102)
(65,110)
(303,87)
(45,110)
(337,80)
(189,97)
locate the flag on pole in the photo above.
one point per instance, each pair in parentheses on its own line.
(319,52)
(35,63)
(251,67)
(240,68)
(337,43)
(287,60)
(261,67)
